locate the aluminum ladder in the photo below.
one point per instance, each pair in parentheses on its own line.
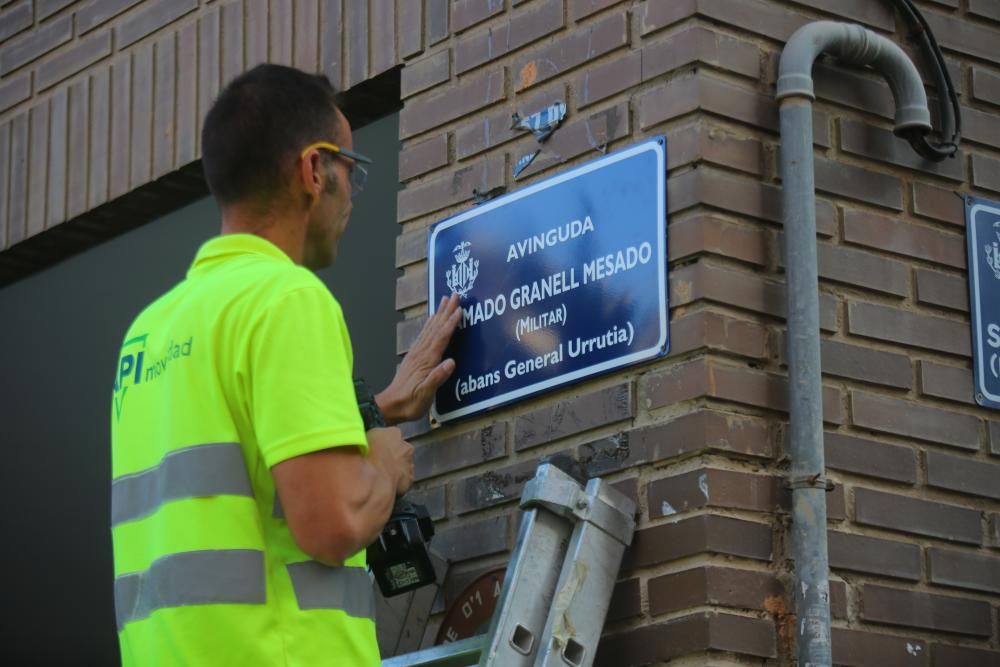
(558,586)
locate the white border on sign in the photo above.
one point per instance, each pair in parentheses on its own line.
(974,243)
(657,145)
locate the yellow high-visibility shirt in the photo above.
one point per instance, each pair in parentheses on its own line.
(244,364)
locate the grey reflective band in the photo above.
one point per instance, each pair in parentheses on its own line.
(319,586)
(230,576)
(201,470)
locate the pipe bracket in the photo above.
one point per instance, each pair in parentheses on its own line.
(809,482)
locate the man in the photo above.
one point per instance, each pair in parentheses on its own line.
(244,486)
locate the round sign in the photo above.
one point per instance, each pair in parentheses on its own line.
(471,612)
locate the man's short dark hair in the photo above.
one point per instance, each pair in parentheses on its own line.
(258,125)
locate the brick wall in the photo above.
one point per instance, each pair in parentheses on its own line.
(697,438)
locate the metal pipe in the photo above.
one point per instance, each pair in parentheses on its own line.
(807,478)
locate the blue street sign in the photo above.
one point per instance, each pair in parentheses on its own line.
(982,220)
(559,281)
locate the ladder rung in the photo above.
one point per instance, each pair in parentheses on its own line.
(462,653)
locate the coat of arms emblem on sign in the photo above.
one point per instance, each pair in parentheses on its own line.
(993,252)
(462,275)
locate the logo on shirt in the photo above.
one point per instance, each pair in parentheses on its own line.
(133,368)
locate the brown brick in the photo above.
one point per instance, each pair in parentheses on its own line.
(701,45)
(234,37)
(84,54)
(38,168)
(706,533)
(906,328)
(706,233)
(15,19)
(150,18)
(718,332)
(473,540)
(964,570)
(467,13)
(769,20)
(914,420)
(591,133)
(743,196)
(878,143)
(979,127)
(420,75)
(870,555)
(571,51)
(941,289)
(76,162)
(55,210)
(418,159)
(96,13)
(186,141)
(332,39)
(694,433)
(860,363)
(951,656)
(436,17)
(431,459)
(410,28)
(209,57)
(701,377)
(141,140)
(383,36)
(741,289)
(857,648)
(608,78)
(964,36)
(847,86)
(100,136)
(715,586)
(434,499)
(474,93)
(47,8)
(861,269)
(574,415)
(450,189)
(986,172)
(580,9)
(710,487)
(4,180)
(925,610)
(19,165)
(984,8)
(947,382)
(985,85)
(356,26)
(904,238)
(411,287)
(15,90)
(875,15)
(35,43)
(407,332)
(858,183)
(164,106)
(993,429)
(493,487)
(964,475)
(910,515)
(523,28)
(993,531)
(411,247)
(696,91)
(700,142)
(869,457)
(626,601)
(653,15)
(687,635)
(938,204)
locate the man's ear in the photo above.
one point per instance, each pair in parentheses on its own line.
(313,174)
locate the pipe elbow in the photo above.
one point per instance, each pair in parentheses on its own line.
(799,54)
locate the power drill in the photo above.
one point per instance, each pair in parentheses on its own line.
(398,558)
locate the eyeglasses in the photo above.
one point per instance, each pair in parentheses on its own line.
(357,173)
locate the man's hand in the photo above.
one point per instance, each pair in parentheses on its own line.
(394,456)
(409,395)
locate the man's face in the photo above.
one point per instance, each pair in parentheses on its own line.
(328,218)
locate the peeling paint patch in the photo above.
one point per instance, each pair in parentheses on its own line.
(703,485)
(667,509)
(913,649)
